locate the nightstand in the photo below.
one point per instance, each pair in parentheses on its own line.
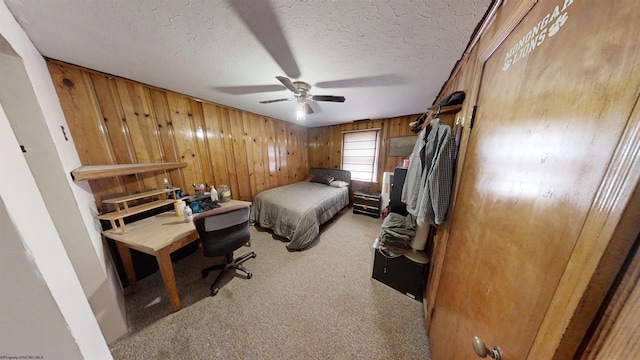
(366,204)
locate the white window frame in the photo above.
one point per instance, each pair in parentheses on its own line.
(353,167)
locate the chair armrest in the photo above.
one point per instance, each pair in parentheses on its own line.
(220,210)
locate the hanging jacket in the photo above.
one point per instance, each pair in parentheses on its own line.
(427,187)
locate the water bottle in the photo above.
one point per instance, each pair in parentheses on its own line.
(188,214)
(214,194)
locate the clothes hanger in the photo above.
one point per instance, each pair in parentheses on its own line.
(434,117)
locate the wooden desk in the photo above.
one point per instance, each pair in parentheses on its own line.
(159,235)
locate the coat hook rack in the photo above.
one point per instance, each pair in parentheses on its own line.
(431,108)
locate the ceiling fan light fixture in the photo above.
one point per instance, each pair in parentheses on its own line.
(300,109)
(301,94)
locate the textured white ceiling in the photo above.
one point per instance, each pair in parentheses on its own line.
(388,58)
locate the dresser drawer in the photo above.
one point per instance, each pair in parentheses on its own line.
(366,200)
(371,211)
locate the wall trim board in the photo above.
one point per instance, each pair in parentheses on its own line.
(505,28)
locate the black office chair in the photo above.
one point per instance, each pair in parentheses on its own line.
(222,231)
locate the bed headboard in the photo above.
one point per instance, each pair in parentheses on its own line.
(342,175)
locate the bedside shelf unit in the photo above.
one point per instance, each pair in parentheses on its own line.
(366,204)
(123,210)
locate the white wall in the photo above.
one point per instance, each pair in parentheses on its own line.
(44,311)
(34,119)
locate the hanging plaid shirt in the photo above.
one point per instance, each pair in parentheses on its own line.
(427,188)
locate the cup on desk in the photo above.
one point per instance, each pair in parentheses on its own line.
(195,206)
(199,191)
(178,206)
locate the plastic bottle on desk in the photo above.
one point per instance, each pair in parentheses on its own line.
(188,214)
(213,193)
(179,206)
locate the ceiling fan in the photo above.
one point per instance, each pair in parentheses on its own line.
(301,94)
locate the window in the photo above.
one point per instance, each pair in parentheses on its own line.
(360,154)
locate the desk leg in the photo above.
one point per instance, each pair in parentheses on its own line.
(166,269)
(125,256)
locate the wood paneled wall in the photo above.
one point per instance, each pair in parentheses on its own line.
(118,121)
(615,333)
(325,144)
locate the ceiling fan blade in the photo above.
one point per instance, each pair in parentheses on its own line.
(378,80)
(328,98)
(263,23)
(288,84)
(276,100)
(250,89)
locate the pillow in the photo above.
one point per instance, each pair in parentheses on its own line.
(339,183)
(322,179)
(311,176)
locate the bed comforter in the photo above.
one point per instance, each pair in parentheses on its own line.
(297,210)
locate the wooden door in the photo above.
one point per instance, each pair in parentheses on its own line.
(553,103)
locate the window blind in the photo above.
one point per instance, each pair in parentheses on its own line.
(359,154)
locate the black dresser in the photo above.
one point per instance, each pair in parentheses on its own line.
(367,204)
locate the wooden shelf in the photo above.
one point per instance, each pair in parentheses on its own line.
(135,209)
(124,199)
(434,110)
(94,172)
(446,114)
(122,213)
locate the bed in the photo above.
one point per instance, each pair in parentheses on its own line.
(297,210)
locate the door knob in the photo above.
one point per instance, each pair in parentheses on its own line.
(482,351)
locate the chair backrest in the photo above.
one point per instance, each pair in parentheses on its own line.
(223,230)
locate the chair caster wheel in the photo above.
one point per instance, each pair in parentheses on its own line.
(249,275)
(253,255)
(214,291)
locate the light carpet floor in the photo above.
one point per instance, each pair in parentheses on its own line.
(319,303)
